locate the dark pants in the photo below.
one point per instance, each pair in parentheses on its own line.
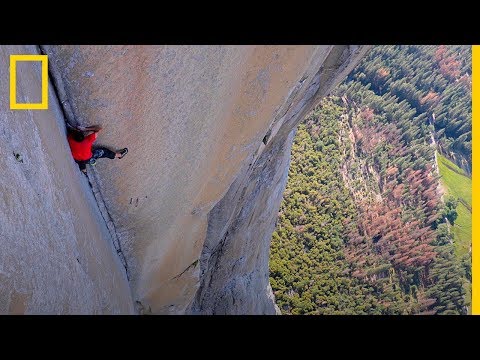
(101,152)
(98,153)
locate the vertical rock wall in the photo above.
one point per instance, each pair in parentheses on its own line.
(56,254)
(209,129)
(234,261)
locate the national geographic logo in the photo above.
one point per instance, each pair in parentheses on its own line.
(43,105)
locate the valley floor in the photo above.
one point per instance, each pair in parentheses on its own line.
(458,184)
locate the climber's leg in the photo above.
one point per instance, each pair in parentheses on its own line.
(102,152)
(82,165)
(122,153)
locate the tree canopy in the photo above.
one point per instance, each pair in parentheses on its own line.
(363,227)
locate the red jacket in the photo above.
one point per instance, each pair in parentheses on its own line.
(82,150)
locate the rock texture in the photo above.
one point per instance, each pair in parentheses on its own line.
(56,254)
(234,260)
(193,205)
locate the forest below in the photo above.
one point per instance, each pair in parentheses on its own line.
(376,215)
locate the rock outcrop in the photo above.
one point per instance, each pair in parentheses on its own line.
(56,255)
(209,129)
(192,207)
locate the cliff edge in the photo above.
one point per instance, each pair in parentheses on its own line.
(192,207)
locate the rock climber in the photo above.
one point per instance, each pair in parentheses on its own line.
(81,145)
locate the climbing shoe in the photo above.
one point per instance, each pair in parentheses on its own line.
(123,152)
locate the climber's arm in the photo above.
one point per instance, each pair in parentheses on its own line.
(92,130)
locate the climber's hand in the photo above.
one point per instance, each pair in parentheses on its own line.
(94,128)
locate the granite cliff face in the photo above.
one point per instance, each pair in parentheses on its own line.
(56,255)
(191,209)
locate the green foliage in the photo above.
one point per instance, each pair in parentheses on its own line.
(447,287)
(457,182)
(308,271)
(458,186)
(450,209)
(361,228)
(432,80)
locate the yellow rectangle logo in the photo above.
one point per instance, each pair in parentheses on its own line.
(475,178)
